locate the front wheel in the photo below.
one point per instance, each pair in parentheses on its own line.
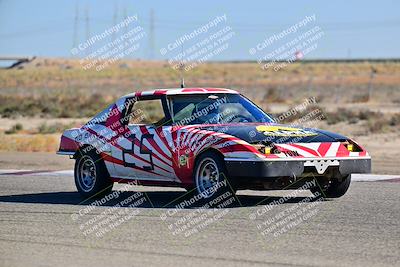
(334,188)
(91,175)
(210,175)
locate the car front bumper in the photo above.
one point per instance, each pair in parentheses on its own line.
(295,167)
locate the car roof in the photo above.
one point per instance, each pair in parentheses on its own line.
(182,91)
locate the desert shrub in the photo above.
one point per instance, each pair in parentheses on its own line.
(14,129)
(360,98)
(340,115)
(379,122)
(395,120)
(293,115)
(58,106)
(375,125)
(353,120)
(45,128)
(273,96)
(351,116)
(366,114)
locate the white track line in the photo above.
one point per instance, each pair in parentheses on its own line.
(372,177)
(66,173)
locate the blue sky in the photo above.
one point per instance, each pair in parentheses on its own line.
(355,29)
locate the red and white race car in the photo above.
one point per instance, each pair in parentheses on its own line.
(211,139)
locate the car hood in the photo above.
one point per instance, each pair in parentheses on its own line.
(275,133)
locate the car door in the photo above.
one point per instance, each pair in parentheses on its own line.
(142,150)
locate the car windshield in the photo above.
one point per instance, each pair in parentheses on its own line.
(215,109)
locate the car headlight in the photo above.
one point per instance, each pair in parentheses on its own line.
(266,149)
(351,146)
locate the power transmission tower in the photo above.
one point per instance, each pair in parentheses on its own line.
(87,28)
(151,35)
(348,53)
(76,24)
(125,16)
(115,17)
(370,83)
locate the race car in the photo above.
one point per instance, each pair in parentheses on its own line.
(206,140)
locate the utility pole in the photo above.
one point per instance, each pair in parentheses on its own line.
(115,17)
(370,84)
(87,29)
(125,16)
(151,35)
(76,24)
(348,53)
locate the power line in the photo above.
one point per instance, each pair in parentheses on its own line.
(76,25)
(159,23)
(151,35)
(125,16)
(87,27)
(114,21)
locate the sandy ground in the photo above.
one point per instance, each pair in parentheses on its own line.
(35,123)
(385,152)
(35,161)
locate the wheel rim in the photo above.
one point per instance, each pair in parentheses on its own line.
(87,174)
(207,176)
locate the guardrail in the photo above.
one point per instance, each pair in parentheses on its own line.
(18,60)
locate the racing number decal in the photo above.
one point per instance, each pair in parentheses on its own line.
(283,131)
(143,150)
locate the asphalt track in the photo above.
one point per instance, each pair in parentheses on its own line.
(43,223)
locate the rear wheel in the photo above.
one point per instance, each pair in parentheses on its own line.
(334,188)
(91,175)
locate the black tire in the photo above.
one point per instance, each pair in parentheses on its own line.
(91,175)
(333,189)
(220,182)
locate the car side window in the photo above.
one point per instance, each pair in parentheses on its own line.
(182,113)
(147,112)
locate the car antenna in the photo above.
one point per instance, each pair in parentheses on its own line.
(182,66)
(182,82)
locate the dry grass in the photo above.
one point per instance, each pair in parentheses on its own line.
(60,88)
(52,106)
(46,76)
(29,143)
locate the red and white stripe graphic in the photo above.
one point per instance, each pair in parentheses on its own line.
(319,150)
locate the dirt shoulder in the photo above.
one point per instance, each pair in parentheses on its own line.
(35,161)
